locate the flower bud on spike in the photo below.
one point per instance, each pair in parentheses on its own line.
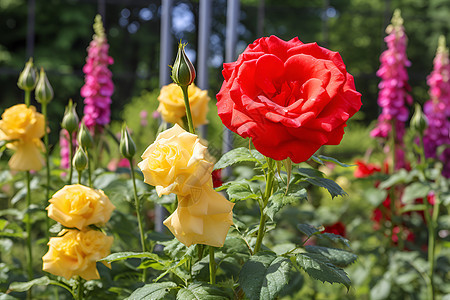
(44,91)
(28,78)
(70,120)
(183,72)
(419,121)
(80,160)
(84,137)
(127,147)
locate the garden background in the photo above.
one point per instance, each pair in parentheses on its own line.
(56,34)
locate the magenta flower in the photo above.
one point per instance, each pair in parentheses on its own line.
(98,86)
(393,96)
(437,109)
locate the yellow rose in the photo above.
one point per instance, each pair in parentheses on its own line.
(77,206)
(202,217)
(171,104)
(75,252)
(175,162)
(26,126)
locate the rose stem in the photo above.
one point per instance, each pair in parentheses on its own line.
(212,266)
(267,194)
(71,158)
(80,288)
(89,167)
(188,109)
(28,228)
(47,164)
(28,219)
(138,214)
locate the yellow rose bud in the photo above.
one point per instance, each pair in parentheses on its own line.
(202,217)
(175,162)
(44,91)
(183,72)
(25,127)
(171,104)
(28,77)
(75,253)
(77,206)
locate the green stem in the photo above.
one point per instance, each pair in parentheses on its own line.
(28,229)
(71,158)
(212,266)
(79,176)
(47,164)
(27,98)
(431,224)
(188,109)
(138,214)
(267,193)
(80,288)
(89,168)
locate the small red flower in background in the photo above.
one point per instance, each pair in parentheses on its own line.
(337,228)
(365,169)
(290,98)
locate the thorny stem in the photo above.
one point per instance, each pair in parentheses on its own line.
(138,214)
(267,193)
(28,228)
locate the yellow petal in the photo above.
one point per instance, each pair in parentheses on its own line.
(27,157)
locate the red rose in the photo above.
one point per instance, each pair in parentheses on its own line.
(290,98)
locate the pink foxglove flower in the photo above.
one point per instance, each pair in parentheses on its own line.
(65,149)
(98,86)
(437,109)
(393,96)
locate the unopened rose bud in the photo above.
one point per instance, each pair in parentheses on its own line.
(183,72)
(28,77)
(84,137)
(127,146)
(70,120)
(419,121)
(44,91)
(80,160)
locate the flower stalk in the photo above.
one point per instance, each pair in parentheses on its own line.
(212,266)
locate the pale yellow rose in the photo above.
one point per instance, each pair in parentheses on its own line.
(202,217)
(76,252)
(171,104)
(175,162)
(26,126)
(77,206)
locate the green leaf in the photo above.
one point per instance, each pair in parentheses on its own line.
(400,177)
(236,156)
(154,291)
(413,207)
(25,286)
(241,191)
(127,255)
(334,238)
(202,291)
(333,188)
(308,230)
(333,160)
(375,196)
(319,267)
(278,200)
(414,191)
(264,275)
(337,257)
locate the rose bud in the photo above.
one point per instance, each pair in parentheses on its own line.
(44,91)
(28,77)
(183,72)
(419,121)
(85,138)
(80,160)
(127,146)
(70,120)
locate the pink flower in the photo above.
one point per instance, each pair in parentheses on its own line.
(437,109)
(98,86)
(393,96)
